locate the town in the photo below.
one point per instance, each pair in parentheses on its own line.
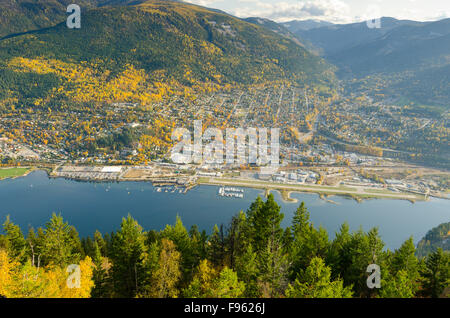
(329,146)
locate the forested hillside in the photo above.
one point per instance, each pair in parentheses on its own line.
(251,257)
(121,52)
(17,16)
(438,237)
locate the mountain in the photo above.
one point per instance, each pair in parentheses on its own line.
(413,60)
(438,237)
(405,47)
(305,25)
(335,38)
(155,41)
(18,16)
(275,27)
(404,59)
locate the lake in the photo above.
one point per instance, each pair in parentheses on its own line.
(31,200)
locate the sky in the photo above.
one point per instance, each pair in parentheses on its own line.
(336,11)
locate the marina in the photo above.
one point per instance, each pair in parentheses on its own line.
(231,192)
(171,189)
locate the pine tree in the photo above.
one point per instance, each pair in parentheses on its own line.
(127,255)
(98,238)
(248,271)
(59,243)
(307,243)
(17,245)
(336,258)
(274,266)
(300,221)
(180,237)
(315,282)
(216,247)
(404,259)
(227,285)
(436,274)
(265,220)
(100,276)
(398,286)
(362,250)
(237,239)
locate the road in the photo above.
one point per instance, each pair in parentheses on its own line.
(299,188)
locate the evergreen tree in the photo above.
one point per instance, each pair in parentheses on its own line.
(59,243)
(237,239)
(436,274)
(307,243)
(198,244)
(248,271)
(98,238)
(17,245)
(102,286)
(265,220)
(216,247)
(273,265)
(300,221)
(315,282)
(337,258)
(404,259)
(127,255)
(362,250)
(227,285)
(399,286)
(180,237)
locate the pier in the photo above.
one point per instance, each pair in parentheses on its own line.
(231,192)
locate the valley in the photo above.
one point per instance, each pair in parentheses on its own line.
(69,98)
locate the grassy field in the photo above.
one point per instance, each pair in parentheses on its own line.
(12,172)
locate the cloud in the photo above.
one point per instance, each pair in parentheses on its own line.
(439,16)
(205,3)
(330,10)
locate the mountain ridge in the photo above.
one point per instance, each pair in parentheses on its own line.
(165,40)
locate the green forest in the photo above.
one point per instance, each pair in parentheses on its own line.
(170,42)
(438,237)
(252,256)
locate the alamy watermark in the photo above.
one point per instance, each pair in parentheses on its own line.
(374,279)
(74,279)
(74,19)
(373,17)
(242,146)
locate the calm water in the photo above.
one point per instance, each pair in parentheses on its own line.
(31,200)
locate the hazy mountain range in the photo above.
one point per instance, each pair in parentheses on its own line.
(413,58)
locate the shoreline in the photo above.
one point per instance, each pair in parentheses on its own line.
(26,173)
(285,190)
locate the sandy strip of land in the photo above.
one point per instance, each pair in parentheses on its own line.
(317,189)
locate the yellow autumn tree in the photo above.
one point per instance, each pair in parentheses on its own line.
(7,271)
(28,281)
(168,272)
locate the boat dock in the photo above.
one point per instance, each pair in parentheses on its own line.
(231,192)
